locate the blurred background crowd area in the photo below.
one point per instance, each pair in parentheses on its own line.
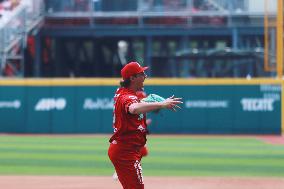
(176,38)
(8,6)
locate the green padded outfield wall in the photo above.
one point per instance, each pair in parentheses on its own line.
(86,107)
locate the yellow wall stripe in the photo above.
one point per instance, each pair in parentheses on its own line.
(115,82)
(60,82)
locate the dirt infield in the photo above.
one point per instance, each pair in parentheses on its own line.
(97,182)
(272,139)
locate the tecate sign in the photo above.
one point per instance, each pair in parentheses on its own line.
(47,104)
(15,104)
(258,104)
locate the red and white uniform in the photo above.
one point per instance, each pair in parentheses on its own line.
(129,137)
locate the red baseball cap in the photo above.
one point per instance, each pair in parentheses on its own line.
(131,69)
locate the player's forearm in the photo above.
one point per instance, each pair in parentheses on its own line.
(143,107)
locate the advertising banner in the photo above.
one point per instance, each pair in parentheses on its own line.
(241,109)
(13,109)
(207,109)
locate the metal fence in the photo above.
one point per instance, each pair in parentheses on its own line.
(145,5)
(193,6)
(191,13)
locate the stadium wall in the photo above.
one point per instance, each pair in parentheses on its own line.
(211,106)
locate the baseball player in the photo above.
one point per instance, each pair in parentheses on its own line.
(144,150)
(129,124)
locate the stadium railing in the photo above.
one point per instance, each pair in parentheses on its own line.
(13,34)
(191,13)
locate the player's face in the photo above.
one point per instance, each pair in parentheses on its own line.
(139,80)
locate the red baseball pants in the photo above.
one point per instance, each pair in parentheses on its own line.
(127,165)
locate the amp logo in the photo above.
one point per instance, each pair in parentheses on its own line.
(47,104)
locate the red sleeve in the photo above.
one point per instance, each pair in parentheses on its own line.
(127,101)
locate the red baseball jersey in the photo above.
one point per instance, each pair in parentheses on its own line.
(129,129)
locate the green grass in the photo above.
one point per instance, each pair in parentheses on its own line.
(169,156)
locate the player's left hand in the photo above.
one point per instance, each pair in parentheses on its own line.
(172,103)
